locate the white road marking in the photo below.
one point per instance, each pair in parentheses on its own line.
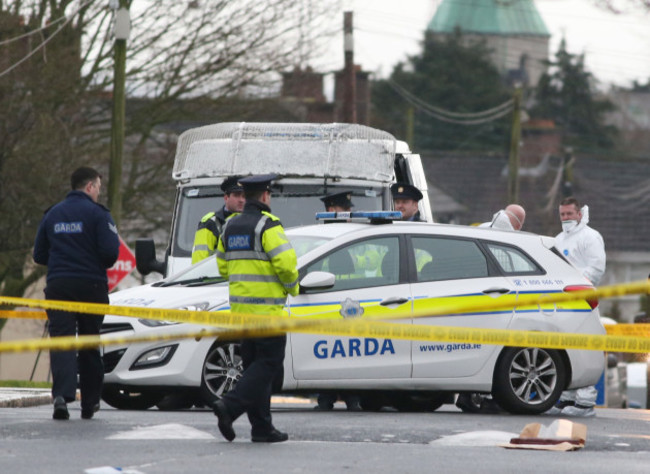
(167,431)
(475,438)
(110,470)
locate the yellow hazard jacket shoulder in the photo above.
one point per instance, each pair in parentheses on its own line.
(258,260)
(207,234)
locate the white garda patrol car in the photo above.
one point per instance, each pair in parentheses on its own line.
(357,269)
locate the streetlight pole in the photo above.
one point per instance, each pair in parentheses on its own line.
(121,30)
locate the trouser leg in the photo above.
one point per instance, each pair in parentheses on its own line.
(91,366)
(63,363)
(262,359)
(66,364)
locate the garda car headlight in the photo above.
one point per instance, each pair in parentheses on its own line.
(202,306)
(154,357)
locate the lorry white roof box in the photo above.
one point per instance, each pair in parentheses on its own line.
(334,150)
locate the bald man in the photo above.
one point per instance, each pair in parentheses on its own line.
(510,218)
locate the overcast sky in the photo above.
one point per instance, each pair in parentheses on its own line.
(617,47)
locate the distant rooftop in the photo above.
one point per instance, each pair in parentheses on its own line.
(489,17)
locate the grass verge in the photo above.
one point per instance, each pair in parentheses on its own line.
(24,384)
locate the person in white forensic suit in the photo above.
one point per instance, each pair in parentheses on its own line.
(584,248)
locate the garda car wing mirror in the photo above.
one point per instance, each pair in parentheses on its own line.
(318,281)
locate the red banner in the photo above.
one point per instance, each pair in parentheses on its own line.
(125,264)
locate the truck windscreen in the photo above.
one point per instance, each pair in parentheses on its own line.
(295,205)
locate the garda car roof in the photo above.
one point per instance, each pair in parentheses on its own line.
(335,230)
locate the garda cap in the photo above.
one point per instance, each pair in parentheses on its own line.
(405,191)
(342,199)
(231,185)
(260,182)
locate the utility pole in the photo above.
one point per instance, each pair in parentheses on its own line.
(567,172)
(121,31)
(515,138)
(349,74)
(410,126)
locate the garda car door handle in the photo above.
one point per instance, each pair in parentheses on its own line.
(394,300)
(493,290)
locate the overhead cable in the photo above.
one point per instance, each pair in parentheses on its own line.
(68,19)
(32,32)
(470,118)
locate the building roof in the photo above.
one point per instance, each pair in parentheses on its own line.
(489,17)
(617,192)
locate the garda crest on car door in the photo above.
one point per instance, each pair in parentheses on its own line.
(369,280)
(450,271)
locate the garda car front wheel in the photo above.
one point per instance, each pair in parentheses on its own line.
(222,369)
(528,380)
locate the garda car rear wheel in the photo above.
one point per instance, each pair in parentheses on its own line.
(128,400)
(221,371)
(528,380)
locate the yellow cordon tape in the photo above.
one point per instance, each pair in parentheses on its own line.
(4,314)
(250,325)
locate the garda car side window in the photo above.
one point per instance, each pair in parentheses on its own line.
(512,260)
(438,258)
(364,264)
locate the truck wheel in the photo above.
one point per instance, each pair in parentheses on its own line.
(127,400)
(221,371)
(176,401)
(528,380)
(415,402)
(373,402)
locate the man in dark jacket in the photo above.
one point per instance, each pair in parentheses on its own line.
(77,240)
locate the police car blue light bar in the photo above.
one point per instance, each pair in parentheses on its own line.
(383,215)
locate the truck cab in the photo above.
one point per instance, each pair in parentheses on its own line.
(311,160)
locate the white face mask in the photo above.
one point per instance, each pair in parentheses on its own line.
(568,226)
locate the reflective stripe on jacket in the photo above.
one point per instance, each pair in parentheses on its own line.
(258,260)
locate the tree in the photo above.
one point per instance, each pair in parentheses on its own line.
(639,87)
(56,100)
(452,76)
(565,94)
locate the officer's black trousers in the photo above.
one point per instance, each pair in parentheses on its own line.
(61,323)
(262,359)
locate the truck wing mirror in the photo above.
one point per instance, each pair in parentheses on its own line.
(145,257)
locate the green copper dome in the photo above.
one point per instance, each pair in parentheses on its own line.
(489,17)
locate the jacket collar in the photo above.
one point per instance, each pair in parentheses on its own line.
(256,206)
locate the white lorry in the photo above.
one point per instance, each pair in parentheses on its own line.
(311,160)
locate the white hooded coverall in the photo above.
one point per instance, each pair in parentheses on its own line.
(584,248)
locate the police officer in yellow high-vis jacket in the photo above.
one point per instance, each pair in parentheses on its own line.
(259,262)
(209,229)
